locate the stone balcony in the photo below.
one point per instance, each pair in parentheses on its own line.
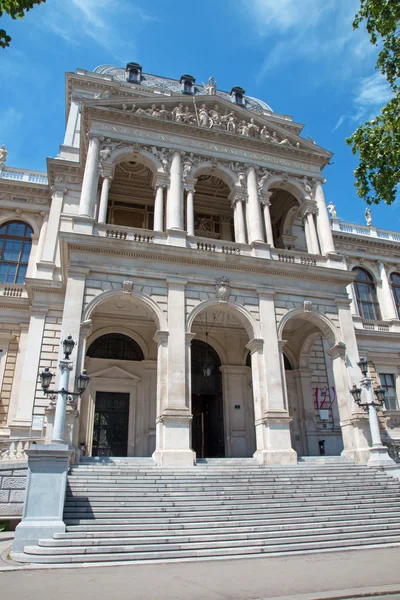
(364,231)
(24,176)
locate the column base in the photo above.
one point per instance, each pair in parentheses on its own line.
(176,237)
(45,494)
(276,457)
(174,458)
(358,455)
(379,457)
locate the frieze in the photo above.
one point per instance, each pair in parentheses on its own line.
(10,197)
(192,144)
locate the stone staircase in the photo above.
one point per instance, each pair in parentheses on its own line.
(130,510)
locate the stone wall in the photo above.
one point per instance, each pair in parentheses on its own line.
(12,489)
(8,377)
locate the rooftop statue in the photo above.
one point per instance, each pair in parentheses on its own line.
(332,210)
(3,156)
(210,87)
(368,216)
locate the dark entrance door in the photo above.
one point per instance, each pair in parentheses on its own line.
(111,418)
(207,406)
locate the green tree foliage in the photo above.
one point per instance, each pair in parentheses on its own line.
(378,141)
(16,9)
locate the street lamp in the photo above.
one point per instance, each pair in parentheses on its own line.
(379,454)
(65,366)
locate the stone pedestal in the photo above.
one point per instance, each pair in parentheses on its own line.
(71,429)
(45,495)
(277,448)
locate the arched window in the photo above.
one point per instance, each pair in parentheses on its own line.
(16,243)
(395,279)
(115,346)
(367,302)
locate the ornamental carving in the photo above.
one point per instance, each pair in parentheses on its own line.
(214,118)
(127,287)
(3,156)
(222,289)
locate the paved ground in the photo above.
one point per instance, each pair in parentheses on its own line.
(348,574)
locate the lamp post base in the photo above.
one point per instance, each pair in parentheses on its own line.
(379,457)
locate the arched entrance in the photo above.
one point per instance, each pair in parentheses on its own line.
(310,387)
(207,402)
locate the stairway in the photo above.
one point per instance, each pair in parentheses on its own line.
(130,510)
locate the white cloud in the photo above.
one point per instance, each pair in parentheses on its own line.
(371,94)
(102,21)
(312,30)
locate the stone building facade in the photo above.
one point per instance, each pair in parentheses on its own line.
(181,236)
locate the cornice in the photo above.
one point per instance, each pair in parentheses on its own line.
(172,254)
(349,238)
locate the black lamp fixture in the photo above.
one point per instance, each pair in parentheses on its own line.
(83,381)
(363,364)
(380,394)
(68,346)
(45,379)
(356,393)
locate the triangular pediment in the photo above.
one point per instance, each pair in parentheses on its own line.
(114,372)
(211,113)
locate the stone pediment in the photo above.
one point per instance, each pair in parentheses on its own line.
(207,113)
(116,373)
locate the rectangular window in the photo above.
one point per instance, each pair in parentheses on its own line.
(387,382)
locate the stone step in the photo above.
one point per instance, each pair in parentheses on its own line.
(113,480)
(30,554)
(153,525)
(220,500)
(222,534)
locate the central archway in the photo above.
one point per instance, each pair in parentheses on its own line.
(207,404)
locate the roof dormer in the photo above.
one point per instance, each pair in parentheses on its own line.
(133,72)
(187,84)
(237,95)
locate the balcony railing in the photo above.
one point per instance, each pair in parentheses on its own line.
(364,231)
(24,175)
(13,290)
(117,232)
(15,449)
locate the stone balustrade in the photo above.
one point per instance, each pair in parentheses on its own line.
(296,257)
(13,290)
(131,234)
(24,175)
(15,449)
(393,449)
(365,231)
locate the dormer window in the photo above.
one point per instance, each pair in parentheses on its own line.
(187,84)
(237,95)
(133,72)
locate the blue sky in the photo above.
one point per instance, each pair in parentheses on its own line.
(301,56)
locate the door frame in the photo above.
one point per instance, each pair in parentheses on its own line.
(111,379)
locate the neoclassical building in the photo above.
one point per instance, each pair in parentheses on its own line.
(181,236)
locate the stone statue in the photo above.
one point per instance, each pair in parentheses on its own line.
(285,142)
(242,179)
(3,156)
(178,113)
(264,133)
(368,216)
(164,114)
(222,289)
(187,167)
(105,152)
(204,119)
(243,128)
(215,118)
(274,137)
(210,87)
(307,186)
(253,129)
(332,210)
(231,123)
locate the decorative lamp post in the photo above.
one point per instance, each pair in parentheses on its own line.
(62,394)
(379,453)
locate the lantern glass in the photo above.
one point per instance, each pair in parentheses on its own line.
(83,381)
(68,346)
(356,393)
(380,394)
(363,364)
(45,379)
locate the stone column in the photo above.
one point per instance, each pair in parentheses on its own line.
(265,203)
(189,209)
(105,190)
(22,420)
(353,420)
(385,296)
(323,224)
(275,423)
(42,238)
(238,219)
(46,263)
(175,194)
(305,376)
(89,184)
(312,233)
(174,418)
(159,208)
(253,213)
